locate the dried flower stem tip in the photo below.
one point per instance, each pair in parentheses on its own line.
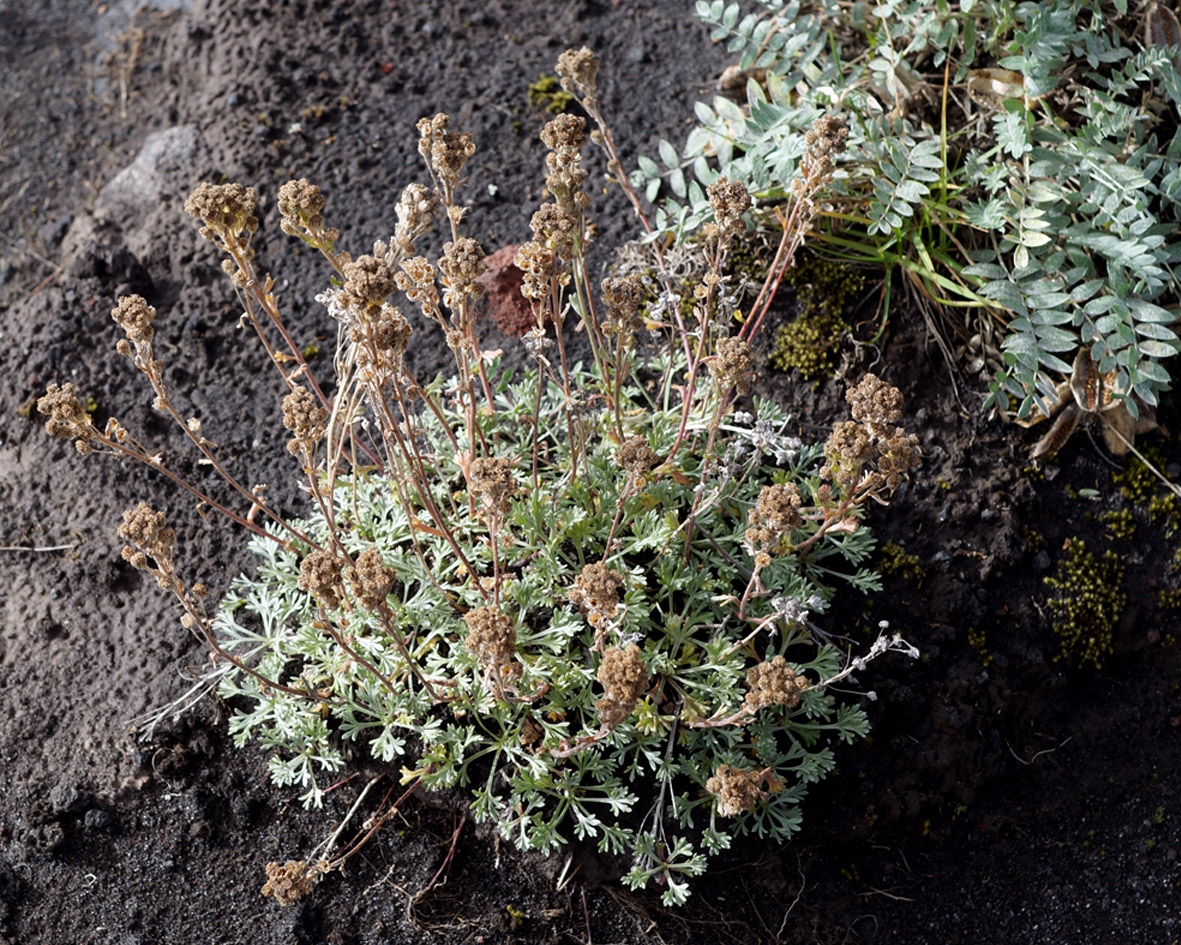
(597,589)
(134,315)
(736,789)
(319,573)
(445,151)
(289,882)
(225,209)
(730,200)
(492,638)
(492,483)
(624,678)
(578,70)
(636,457)
(301,206)
(733,364)
(371,579)
(773,683)
(68,419)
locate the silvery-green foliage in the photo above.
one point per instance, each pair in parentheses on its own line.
(1050,194)
(641,790)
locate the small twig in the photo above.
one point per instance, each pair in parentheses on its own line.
(1036,755)
(40,548)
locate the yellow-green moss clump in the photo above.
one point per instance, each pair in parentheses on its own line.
(895,560)
(1119,523)
(1090,599)
(979,645)
(810,343)
(547,93)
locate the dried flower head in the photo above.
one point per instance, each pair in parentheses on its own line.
(776,512)
(773,683)
(869,451)
(370,579)
(636,457)
(826,137)
(565,136)
(732,364)
(417,280)
(446,151)
(319,573)
(134,315)
(368,281)
(847,450)
(380,344)
(301,206)
(730,200)
(622,295)
(304,417)
(147,530)
(225,209)
(624,678)
(539,265)
(289,882)
(492,483)
(875,403)
(736,789)
(565,133)
(68,419)
(492,639)
(415,210)
(578,70)
(555,227)
(597,589)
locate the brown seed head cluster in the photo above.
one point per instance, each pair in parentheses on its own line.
(876,404)
(538,263)
(225,209)
(492,484)
(555,227)
(624,678)
(368,281)
(736,789)
(446,151)
(304,417)
(492,638)
(732,365)
(301,206)
(380,343)
(289,882)
(622,295)
(578,70)
(415,210)
(417,280)
(565,136)
(370,579)
(134,315)
(636,457)
(870,451)
(730,200)
(596,590)
(462,264)
(827,136)
(776,512)
(319,573)
(149,535)
(68,419)
(773,683)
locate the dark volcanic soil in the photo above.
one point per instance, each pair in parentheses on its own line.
(1003,796)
